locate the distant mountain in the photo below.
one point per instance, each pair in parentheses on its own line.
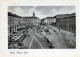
(14,15)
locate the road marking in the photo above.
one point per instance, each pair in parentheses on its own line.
(38,42)
(59,34)
(70,41)
(31,43)
(56,31)
(39,35)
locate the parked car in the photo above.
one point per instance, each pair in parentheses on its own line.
(52,46)
(48,40)
(46,30)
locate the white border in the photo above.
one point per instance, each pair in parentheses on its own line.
(5,52)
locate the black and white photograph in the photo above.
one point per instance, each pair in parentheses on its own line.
(41,27)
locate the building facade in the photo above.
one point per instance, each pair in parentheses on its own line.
(48,20)
(66,22)
(15,21)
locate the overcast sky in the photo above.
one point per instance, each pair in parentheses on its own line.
(41,11)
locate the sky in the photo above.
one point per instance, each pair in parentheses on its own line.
(41,11)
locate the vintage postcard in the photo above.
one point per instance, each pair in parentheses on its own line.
(39,28)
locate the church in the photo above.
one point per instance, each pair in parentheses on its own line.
(33,20)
